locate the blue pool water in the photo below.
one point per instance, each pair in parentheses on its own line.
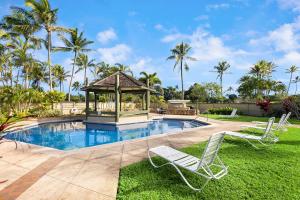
(74,135)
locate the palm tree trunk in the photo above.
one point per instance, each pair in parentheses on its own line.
(60,86)
(290,83)
(26,78)
(221,84)
(70,85)
(181,71)
(49,59)
(296,88)
(85,82)
(11,76)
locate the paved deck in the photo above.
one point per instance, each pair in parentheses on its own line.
(35,173)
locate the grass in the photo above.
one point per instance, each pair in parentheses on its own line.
(266,173)
(243,118)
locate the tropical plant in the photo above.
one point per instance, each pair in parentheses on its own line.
(46,18)
(76,86)
(296,81)
(291,71)
(221,68)
(83,62)
(153,79)
(102,70)
(38,75)
(60,75)
(123,68)
(180,55)
(214,92)
(76,44)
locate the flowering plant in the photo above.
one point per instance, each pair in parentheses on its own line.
(264,104)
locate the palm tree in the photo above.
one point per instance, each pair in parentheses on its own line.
(76,44)
(296,81)
(102,70)
(221,68)
(21,57)
(46,17)
(83,63)
(153,79)
(38,74)
(61,75)
(291,71)
(123,68)
(180,55)
(22,22)
(76,86)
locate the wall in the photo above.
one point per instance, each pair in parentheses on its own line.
(245,108)
(65,107)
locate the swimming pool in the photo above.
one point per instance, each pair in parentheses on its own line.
(74,135)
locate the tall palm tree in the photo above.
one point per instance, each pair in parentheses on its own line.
(22,22)
(21,56)
(83,63)
(123,68)
(60,75)
(296,81)
(153,79)
(46,17)
(180,55)
(291,71)
(221,68)
(38,74)
(76,44)
(76,86)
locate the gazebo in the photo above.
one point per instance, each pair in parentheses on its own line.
(118,83)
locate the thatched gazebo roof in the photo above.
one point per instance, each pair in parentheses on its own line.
(126,84)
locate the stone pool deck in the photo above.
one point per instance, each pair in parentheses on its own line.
(34,172)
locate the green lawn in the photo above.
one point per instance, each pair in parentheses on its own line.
(266,173)
(243,118)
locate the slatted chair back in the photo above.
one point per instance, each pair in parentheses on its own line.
(268,130)
(281,122)
(212,149)
(233,113)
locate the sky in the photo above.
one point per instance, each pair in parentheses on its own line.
(140,33)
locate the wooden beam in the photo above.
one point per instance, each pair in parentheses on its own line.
(117,97)
(87,104)
(95,101)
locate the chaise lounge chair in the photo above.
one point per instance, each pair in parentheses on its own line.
(232,115)
(280,126)
(200,167)
(267,138)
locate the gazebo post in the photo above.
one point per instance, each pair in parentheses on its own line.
(143,101)
(95,101)
(87,104)
(148,96)
(117,97)
(120,100)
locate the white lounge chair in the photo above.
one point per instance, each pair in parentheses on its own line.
(280,126)
(232,115)
(201,167)
(267,138)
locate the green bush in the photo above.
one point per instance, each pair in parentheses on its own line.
(44,112)
(220,111)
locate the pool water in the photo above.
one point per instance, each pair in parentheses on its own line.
(74,135)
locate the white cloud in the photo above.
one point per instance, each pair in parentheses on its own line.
(201,17)
(284,39)
(115,54)
(174,37)
(159,27)
(290,58)
(106,36)
(143,64)
(289,4)
(217,6)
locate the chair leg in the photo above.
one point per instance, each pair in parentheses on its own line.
(16,144)
(187,182)
(153,164)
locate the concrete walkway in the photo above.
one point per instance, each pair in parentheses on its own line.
(35,172)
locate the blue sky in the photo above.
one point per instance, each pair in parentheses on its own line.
(141,33)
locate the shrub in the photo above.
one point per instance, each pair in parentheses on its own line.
(220,111)
(264,104)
